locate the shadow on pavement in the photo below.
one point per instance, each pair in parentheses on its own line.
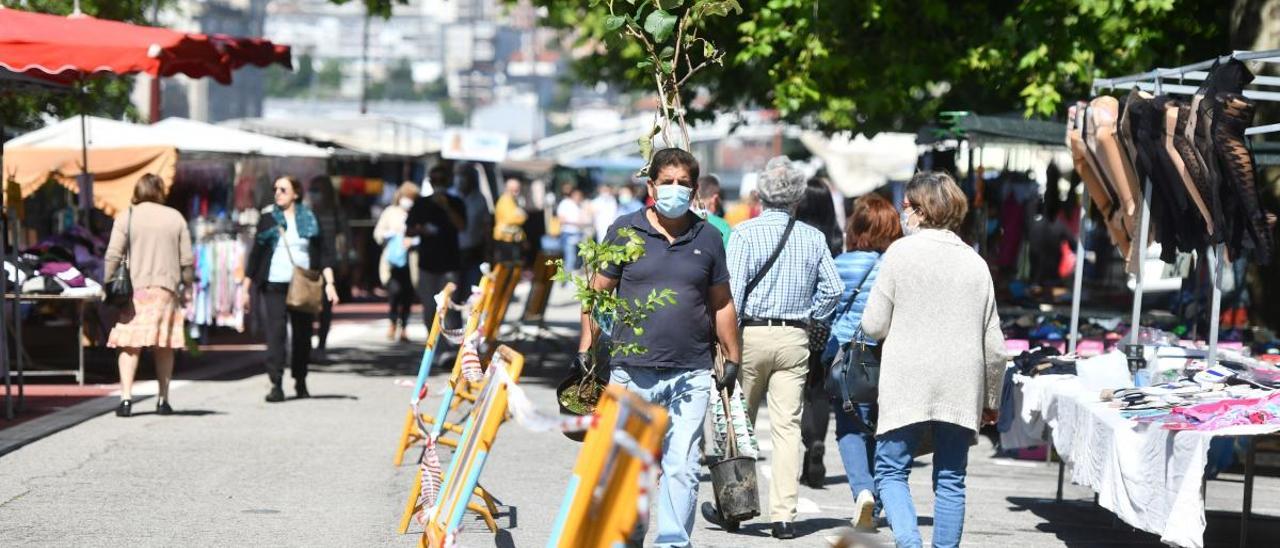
(1081,523)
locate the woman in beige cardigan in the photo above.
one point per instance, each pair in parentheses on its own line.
(157,244)
(934,307)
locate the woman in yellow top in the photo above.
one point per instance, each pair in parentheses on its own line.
(508,224)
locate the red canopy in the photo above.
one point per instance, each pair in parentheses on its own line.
(72,46)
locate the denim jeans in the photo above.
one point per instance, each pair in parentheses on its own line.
(569,247)
(893,466)
(857,446)
(685,394)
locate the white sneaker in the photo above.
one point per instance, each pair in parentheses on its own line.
(865,506)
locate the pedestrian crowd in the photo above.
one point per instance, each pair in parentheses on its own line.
(782,298)
(780,294)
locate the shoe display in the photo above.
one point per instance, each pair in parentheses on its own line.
(125,409)
(864,512)
(276,395)
(162,408)
(783,530)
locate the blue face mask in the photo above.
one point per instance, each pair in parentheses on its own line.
(673,200)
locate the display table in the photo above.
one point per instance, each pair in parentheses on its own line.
(1150,477)
(79,300)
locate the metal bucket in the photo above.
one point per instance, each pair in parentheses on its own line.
(734,483)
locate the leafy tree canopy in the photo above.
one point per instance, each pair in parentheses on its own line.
(874,65)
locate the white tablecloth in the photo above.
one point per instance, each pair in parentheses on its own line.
(1148,476)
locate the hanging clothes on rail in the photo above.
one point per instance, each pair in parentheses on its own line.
(1103,140)
(1248,231)
(1100,193)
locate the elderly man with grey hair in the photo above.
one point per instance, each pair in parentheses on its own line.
(783,279)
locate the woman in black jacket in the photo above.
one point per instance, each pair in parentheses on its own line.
(269,269)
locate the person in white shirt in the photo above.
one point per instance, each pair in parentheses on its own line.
(604,210)
(574,220)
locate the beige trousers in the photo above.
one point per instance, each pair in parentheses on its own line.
(775,361)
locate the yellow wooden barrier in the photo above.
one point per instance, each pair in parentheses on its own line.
(461,481)
(409,434)
(600,506)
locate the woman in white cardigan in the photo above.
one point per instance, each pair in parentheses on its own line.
(398,265)
(934,307)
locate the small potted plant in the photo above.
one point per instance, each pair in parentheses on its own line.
(579,393)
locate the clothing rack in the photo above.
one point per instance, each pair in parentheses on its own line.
(1157,81)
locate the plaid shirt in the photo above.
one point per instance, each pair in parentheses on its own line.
(802,285)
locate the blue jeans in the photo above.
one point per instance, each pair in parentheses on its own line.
(893,466)
(569,247)
(685,394)
(857,446)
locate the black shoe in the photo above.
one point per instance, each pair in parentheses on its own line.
(712,515)
(783,530)
(815,472)
(125,409)
(162,408)
(301,388)
(276,395)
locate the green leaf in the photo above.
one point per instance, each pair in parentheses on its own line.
(660,25)
(667,67)
(614,22)
(670,4)
(667,53)
(708,50)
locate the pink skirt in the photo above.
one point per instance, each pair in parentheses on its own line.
(154,320)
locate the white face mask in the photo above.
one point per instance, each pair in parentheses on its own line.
(910,223)
(406,202)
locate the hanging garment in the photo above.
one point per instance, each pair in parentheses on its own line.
(1168,201)
(1102,141)
(1104,115)
(1247,230)
(1125,134)
(1089,173)
(1171,109)
(1184,142)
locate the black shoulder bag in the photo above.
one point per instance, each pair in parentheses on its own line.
(755,280)
(119,289)
(854,374)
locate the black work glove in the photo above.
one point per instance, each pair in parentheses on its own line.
(582,362)
(727,376)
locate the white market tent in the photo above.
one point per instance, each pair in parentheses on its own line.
(858,165)
(118,153)
(180,133)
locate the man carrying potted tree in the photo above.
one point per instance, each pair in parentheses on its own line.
(673,364)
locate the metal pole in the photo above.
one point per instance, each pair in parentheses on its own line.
(1143,227)
(1215,253)
(1079,274)
(364,65)
(1248,491)
(4,279)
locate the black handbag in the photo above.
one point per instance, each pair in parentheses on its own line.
(119,289)
(854,375)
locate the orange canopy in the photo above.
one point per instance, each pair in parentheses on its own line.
(115,170)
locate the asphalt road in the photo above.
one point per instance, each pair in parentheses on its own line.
(232,470)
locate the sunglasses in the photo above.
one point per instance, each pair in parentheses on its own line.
(282,190)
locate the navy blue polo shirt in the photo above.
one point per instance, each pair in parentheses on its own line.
(681,334)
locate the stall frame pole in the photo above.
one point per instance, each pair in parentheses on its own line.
(1078,283)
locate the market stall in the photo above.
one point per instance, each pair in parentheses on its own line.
(212,174)
(1138,425)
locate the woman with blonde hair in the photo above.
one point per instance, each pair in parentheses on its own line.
(151,240)
(934,308)
(398,265)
